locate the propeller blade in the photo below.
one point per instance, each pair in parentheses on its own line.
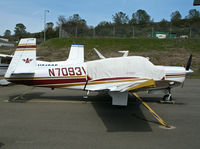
(189,63)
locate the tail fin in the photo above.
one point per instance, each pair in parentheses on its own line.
(76,54)
(24,59)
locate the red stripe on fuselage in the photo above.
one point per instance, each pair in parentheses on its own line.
(48,81)
(58,81)
(62,81)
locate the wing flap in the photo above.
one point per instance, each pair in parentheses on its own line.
(5,56)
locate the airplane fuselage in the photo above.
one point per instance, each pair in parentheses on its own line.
(74,76)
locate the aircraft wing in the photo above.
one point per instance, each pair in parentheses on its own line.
(130,86)
(5,56)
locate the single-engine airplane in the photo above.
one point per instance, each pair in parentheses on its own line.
(4,63)
(117,76)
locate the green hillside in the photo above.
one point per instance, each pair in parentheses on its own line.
(131,44)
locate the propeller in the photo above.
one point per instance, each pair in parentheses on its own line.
(187,68)
(189,63)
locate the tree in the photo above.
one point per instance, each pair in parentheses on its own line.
(133,20)
(141,17)
(74,25)
(120,18)
(193,14)
(76,19)
(175,16)
(163,23)
(7,33)
(50,31)
(61,20)
(20,30)
(104,28)
(49,25)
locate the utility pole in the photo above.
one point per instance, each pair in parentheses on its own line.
(94,32)
(133,32)
(195,3)
(152,31)
(60,31)
(170,31)
(45,11)
(76,29)
(114,31)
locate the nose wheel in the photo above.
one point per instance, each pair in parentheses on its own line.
(168,98)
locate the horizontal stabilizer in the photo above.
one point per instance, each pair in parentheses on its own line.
(5,56)
(125,53)
(99,54)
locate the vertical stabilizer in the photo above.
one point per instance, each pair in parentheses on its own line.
(76,54)
(24,59)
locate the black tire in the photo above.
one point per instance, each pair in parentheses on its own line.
(167,98)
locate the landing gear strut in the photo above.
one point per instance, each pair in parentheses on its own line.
(168,98)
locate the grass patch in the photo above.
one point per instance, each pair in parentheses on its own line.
(131,44)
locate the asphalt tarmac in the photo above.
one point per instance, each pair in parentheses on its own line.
(62,119)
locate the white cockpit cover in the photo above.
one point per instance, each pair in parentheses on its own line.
(132,66)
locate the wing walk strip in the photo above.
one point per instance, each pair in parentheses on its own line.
(160,120)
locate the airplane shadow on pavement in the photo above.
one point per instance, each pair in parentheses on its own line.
(115,118)
(1,144)
(122,119)
(40,95)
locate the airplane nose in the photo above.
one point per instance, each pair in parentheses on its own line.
(189,71)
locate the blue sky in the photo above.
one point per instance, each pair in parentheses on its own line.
(31,12)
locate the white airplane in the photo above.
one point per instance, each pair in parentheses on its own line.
(4,63)
(116,76)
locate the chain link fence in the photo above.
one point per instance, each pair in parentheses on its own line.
(128,31)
